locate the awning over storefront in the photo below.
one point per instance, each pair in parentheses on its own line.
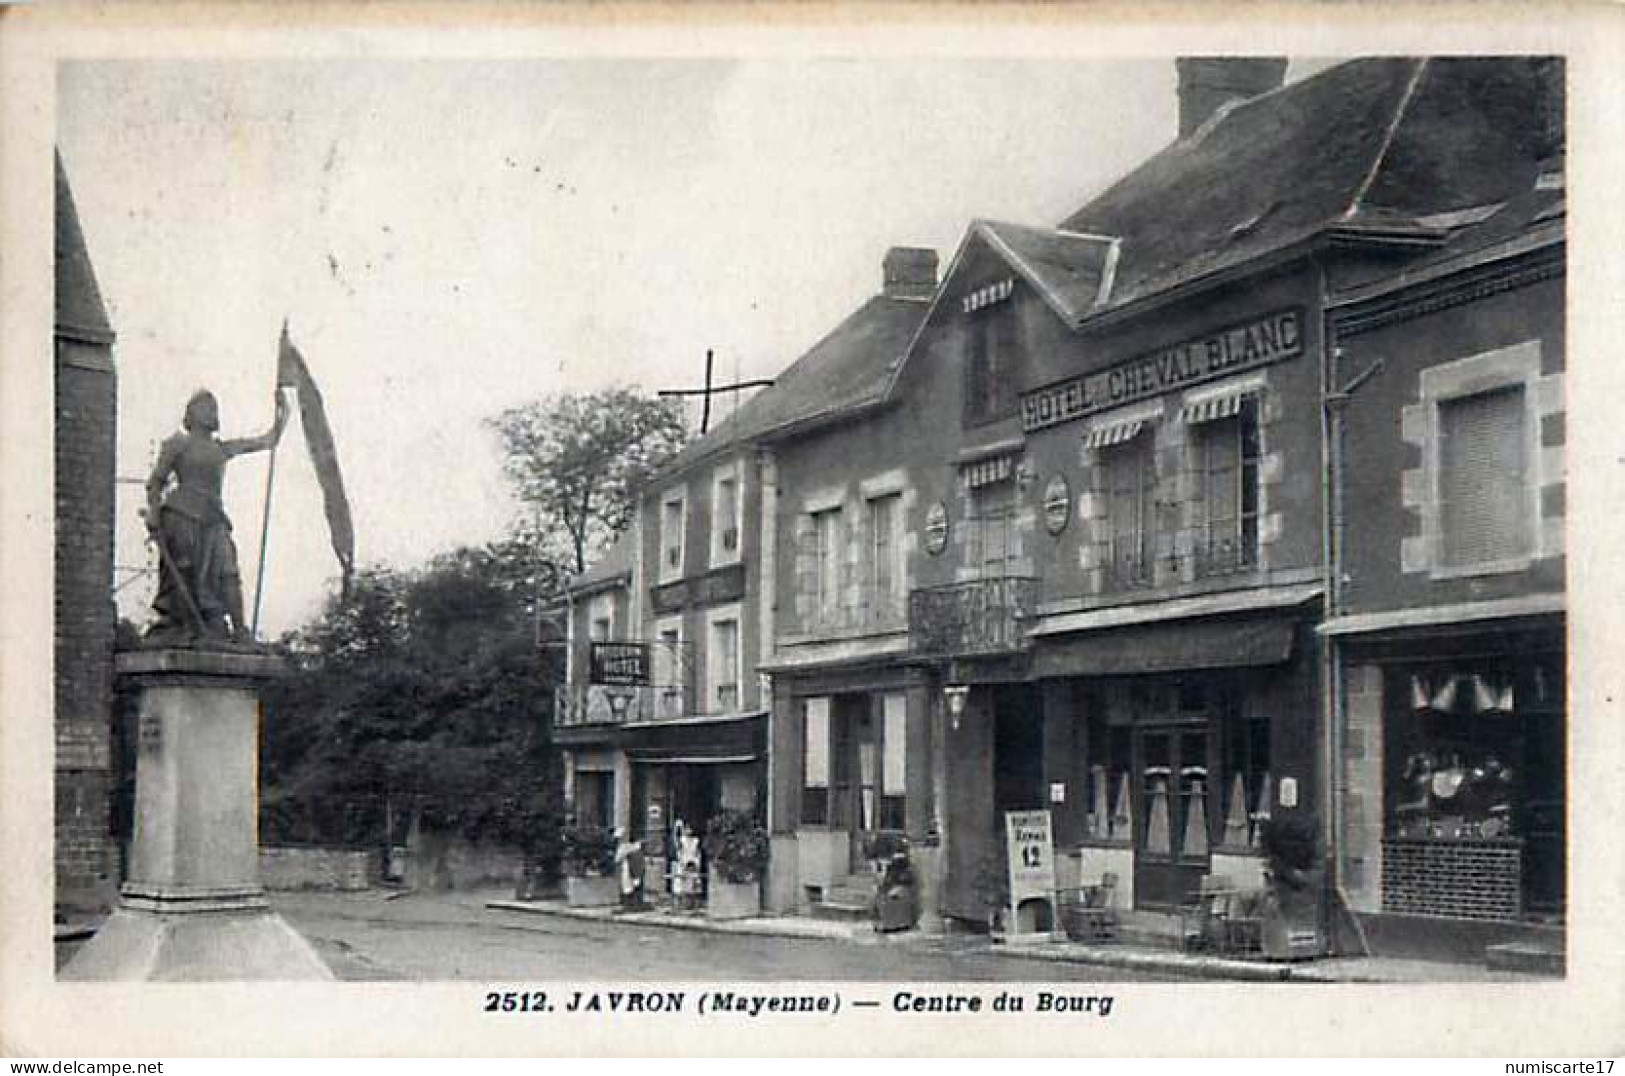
(654,758)
(717,742)
(1106,434)
(1220,643)
(1213,408)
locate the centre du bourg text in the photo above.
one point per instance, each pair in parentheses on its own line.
(723,1002)
(1241,347)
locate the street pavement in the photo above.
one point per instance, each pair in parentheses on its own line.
(453,936)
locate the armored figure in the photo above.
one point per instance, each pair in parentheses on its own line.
(200,593)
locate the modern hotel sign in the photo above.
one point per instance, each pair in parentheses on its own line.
(1260,342)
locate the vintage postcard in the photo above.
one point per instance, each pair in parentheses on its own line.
(628,530)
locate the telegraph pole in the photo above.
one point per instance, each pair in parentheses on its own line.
(706,392)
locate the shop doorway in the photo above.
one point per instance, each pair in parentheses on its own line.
(855,752)
(1018,752)
(1171,838)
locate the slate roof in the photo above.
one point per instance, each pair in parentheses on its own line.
(1072,271)
(848,369)
(616,561)
(79,309)
(1369,144)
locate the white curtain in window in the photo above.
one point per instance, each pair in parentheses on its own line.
(817,743)
(893,776)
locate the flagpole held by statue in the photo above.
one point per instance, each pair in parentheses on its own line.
(192,907)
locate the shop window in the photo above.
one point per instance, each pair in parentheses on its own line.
(893,777)
(1459,746)
(595,798)
(1110,810)
(1227,454)
(992,365)
(815,763)
(1130,488)
(1245,791)
(1483,472)
(885,570)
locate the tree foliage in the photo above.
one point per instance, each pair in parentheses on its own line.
(576,459)
(426,687)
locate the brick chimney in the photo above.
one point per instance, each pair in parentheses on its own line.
(910,273)
(1208,83)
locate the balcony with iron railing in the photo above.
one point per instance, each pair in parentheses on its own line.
(979,617)
(627,682)
(1184,555)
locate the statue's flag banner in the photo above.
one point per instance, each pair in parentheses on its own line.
(291,372)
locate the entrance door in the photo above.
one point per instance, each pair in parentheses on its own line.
(857,774)
(1172,829)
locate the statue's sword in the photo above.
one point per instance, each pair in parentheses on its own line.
(157,535)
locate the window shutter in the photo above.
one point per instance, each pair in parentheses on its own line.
(1483,478)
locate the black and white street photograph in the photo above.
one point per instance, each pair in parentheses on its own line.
(759,517)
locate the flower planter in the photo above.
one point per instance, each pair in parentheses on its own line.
(732,900)
(591,891)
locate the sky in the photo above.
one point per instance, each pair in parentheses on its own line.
(451,238)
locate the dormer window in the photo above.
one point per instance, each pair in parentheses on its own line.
(992,364)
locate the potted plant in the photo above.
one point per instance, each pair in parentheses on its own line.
(589,866)
(737,847)
(1291,926)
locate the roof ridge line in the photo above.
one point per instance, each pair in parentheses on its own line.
(1387,138)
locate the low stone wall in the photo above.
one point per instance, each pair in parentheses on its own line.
(342,869)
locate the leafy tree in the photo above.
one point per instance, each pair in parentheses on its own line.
(425,687)
(576,459)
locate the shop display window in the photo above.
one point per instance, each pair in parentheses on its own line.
(1245,791)
(1110,812)
(1467,757)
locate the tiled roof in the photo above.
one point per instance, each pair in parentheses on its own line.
(79,308)
(1371,144)
(848,369)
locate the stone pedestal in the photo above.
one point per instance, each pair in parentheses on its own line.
(193,908)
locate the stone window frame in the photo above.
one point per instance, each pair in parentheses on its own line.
(665,571)
(892,484)
(1514,366)
(1189,488)
(715,616)
(720,555)
(670,671)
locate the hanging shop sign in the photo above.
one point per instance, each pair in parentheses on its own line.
(1251,344)
(936,528)
(1057,504)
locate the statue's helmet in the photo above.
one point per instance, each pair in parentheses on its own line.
(202,412)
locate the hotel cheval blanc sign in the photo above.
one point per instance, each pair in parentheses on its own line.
(1246,346)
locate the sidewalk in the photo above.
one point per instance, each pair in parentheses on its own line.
(767,926)
(1136,958)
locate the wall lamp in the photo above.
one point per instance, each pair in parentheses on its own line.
(955,694)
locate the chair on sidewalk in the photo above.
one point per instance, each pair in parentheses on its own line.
(1088,913)
(1203,918)
(1243,930)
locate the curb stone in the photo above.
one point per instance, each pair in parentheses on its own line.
(757,927)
